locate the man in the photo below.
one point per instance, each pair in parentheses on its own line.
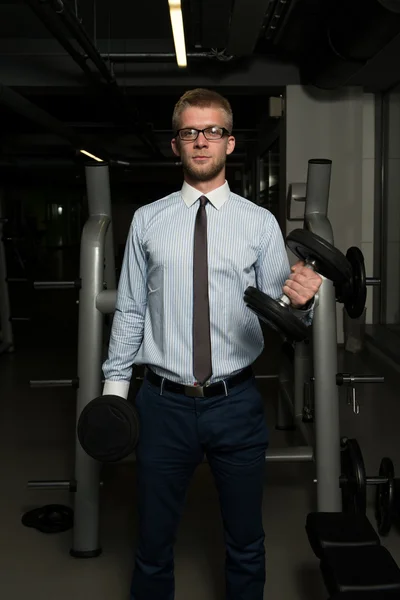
(180,311)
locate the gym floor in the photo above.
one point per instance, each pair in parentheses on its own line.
(37,442)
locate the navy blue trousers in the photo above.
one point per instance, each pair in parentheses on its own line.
(175,433)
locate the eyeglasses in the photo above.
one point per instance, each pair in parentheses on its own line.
(210,133)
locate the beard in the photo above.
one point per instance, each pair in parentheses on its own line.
(203,172)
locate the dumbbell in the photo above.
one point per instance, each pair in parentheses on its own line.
(108,428)
(317,254)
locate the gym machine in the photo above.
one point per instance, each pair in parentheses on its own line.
(98,297)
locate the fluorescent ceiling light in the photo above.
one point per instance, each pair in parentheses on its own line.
(175,11)
(91,155)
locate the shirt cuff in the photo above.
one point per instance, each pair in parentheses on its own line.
(306,308)
(116,388)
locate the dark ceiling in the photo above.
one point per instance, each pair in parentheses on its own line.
(103,73)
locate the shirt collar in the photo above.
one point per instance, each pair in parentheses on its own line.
(217,197)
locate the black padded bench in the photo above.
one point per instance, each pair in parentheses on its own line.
(364,569)
(354,564)
(339,530)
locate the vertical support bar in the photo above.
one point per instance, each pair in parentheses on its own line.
(99,200)
(382,105)
(327,430)
(379,250)
(7,343)
(87,471)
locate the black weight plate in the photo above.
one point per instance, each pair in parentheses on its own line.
(384,501)
(354,486)
(52,518)
(330,262)
(108,428)
(276,316)
(356,292)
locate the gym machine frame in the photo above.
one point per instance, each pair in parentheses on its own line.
(98,297)
(322,435)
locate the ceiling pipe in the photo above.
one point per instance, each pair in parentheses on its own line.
(72,25)
(76,29)
(54,26)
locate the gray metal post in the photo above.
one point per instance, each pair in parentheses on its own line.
(87,471)
(99,199)
(327,430)
(7,343)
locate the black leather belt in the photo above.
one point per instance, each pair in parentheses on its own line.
(198,391)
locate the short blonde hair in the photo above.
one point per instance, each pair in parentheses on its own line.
(202,98)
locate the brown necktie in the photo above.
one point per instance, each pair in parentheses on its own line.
(202,369)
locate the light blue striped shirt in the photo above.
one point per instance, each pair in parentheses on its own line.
(153,316)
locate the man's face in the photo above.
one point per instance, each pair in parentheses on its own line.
(203,159)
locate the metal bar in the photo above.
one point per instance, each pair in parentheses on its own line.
(293,454)
(87,470)
(90,337)
(376,480)
(49,485)
(5,310)
(45,383)
(361,379)
(20,319)
(55,285)
(367,379)
(378,195)
(383,209)
(375,281)
(98,187)
(327,430)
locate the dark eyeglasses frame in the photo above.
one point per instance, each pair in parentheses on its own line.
(224,133)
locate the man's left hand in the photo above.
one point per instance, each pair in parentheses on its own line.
(302,285)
